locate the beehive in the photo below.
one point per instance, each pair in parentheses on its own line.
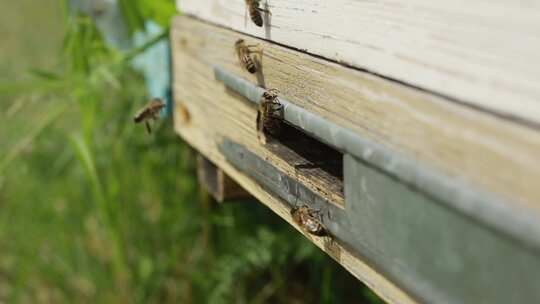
(412,126)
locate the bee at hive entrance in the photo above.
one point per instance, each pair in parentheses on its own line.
(309,220)
(269,115)
(244,51)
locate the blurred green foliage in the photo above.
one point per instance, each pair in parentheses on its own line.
(136,12)
(94,210)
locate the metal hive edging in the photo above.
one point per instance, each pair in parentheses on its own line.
(478,204)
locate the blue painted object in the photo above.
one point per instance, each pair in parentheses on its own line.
(154,63)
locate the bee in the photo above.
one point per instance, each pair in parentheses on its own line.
(269,115)
(150,111)
(309,220)
(252,6)
(243,51)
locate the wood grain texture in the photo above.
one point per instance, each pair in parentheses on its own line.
(214,113)
(488,152)
(482,53)
(312,160)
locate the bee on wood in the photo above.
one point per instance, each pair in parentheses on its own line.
(150,111)
(254,9)
(309,220)
(269,115)
(243,51)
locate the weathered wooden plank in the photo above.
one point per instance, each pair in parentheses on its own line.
(487,152)
(205,112)
(217,182)
(478,205)
(483,53)
(437,254)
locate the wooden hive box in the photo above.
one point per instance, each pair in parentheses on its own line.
(412,126)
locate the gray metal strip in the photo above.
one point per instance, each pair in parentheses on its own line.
(497,212)
(432,252)
(270,178)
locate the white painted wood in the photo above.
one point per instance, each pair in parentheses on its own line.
(486,152)
(483,53)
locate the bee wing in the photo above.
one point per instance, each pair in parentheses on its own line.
(156,103)
(311,224)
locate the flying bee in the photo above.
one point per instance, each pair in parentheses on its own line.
(269,115)
(309,220)
(150,111)
(254,9)
(243,51)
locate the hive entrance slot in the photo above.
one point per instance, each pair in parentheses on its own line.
(317,165)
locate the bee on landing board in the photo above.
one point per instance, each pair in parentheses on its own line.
(309,220)
(243,51)
(148,112)
(254,10)
(269,115)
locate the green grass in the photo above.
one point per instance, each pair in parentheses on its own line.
(94,210)
(29,35)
